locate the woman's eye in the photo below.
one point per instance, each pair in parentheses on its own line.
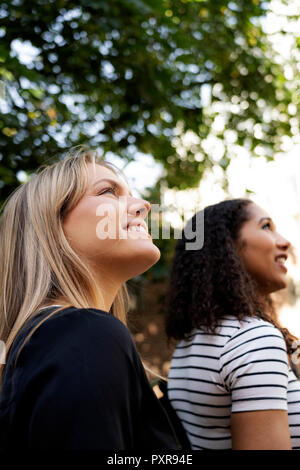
(107,190)
(267,226)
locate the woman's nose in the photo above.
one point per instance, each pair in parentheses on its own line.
(283,243)
(139,208)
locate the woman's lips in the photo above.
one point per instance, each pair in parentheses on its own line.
(281,265)
(138,231)
(280,260)
(137,228)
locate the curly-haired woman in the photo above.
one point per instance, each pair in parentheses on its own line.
(231,381)
(70,238)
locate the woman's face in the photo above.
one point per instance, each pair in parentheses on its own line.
(107,228)
(263,251)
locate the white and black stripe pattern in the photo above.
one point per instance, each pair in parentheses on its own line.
(243,367)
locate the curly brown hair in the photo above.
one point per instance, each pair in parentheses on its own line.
(208,283)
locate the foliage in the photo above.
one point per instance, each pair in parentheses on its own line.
(132,75)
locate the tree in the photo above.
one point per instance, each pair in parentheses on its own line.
(132,75)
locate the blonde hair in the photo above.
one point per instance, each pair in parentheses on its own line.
(37,264)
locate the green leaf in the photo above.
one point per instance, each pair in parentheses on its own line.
(36,92)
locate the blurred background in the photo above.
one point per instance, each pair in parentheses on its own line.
(196,100)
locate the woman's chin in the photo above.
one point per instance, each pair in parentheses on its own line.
(276,286)
(282,285)
(144,261)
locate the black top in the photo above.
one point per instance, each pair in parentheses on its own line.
(79,384)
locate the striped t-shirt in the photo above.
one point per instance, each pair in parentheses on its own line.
(242,367)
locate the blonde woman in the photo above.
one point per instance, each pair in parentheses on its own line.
(70,238)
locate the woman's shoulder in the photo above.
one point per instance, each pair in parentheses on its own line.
(245,323)
(252,330)
(79,317)
(230,328)
(257,324)
(71,330)
(252,326)
(72,321)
